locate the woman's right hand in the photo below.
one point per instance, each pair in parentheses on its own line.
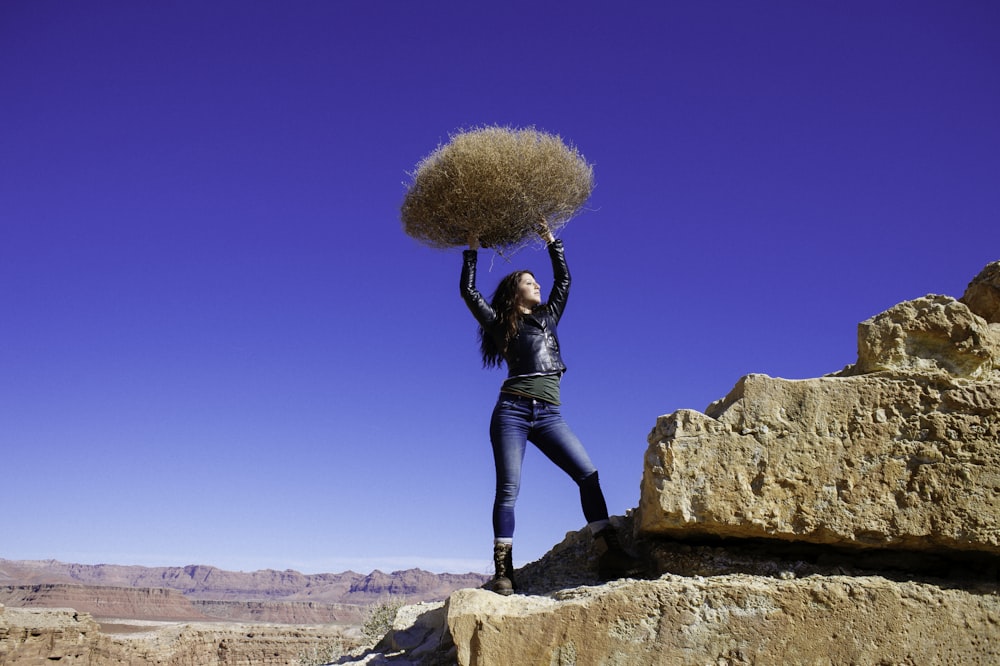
(544,231)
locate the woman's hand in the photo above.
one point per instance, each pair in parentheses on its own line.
(544,231)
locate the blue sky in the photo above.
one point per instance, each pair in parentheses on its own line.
(219,347)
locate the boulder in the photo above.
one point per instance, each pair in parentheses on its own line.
(929,334)
(983,293)
(420,632)
(899,450)
(872,461)
(730,620)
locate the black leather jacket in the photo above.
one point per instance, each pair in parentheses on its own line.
(535,349)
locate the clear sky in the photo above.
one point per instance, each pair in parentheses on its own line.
(219,347)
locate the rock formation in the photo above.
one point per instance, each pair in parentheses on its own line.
(735,619)
(39,637)
(983,294)
(873,461)
(852,518)
(899,450)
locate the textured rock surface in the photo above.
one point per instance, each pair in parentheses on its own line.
(36,637)
(983,293)
(419,635)
(730,620)
(872,461)
(216,644)
(929,334)
(719,573)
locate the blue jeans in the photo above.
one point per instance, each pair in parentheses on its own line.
(517,420)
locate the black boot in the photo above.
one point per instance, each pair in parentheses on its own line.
(614,561)
(503,563)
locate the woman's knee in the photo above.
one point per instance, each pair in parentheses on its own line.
(506,494)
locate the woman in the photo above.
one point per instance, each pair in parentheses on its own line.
(516,328)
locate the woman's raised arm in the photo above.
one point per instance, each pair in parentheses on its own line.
(480,309)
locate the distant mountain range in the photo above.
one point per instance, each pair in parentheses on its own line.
(199,592)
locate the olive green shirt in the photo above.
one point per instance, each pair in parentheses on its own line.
(541,387)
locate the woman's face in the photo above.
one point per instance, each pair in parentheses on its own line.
(529,292)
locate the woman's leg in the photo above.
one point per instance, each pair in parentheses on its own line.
(508,435)
(553,437)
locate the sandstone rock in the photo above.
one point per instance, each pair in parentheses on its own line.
(42,637)
(219,644)
(36,637)
(899,450)
(719,575)
(730,620)
(983,293)
(419,635)
(929,334)
(866,461)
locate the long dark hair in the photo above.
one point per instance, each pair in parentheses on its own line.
(504,303)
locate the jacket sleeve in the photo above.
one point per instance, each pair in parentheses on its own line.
(480,309)
(560,280)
